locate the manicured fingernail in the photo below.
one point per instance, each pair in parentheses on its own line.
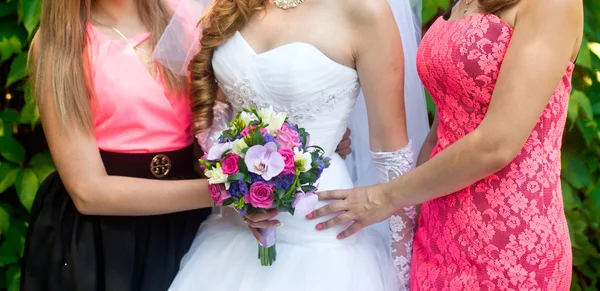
(279,224)
(260,244)
(309,216)
(319,226)
(339,236)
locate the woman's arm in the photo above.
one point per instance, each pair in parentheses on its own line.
(78,161)
(546,37)
(380,65)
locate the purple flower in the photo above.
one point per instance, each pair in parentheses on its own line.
(292,127)
(321,166)
(305,203)
(224,140)
(264,160)
(283,181)
(269,138)
(216,152)
(238,188)
(256,178)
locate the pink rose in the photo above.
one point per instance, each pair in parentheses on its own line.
(288,138)
(230,164)
(288,159)
(218,193)
(259,195)
(246,130)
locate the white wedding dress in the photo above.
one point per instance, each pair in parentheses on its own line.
(318,94)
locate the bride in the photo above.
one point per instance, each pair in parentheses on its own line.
(305,58)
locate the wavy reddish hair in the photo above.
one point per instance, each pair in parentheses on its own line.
(224,18)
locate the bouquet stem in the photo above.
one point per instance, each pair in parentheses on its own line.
(267,253)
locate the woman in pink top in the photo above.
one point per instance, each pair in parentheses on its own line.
(118,127)
(492,216)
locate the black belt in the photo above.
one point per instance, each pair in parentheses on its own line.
(177,164)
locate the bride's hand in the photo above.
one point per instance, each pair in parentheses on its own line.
(261,220)
(362,206)
(344,147)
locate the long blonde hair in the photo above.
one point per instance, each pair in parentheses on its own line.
(224,18)
(59,61)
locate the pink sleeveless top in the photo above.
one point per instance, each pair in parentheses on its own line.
(132,112)
(507,231)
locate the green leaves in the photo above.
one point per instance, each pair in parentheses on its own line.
(11,149)
(27,185)
(18,70)
(31,12)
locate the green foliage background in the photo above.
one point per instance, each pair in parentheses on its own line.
(25,161)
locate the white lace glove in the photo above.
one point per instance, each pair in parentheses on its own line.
(223,114)
(391,165)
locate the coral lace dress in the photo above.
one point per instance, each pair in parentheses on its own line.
(507,231)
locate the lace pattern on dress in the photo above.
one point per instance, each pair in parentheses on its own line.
(391,165)
(243,94)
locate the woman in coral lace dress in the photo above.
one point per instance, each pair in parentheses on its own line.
(492,216)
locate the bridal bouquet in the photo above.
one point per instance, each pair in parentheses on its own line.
(262,162)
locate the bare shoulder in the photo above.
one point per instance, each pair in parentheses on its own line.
(552,10)
(367,12)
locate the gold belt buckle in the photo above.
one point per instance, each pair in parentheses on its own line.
(160,166)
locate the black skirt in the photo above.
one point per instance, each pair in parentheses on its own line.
(68,251)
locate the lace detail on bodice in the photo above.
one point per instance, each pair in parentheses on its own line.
(313,90)
(391,165)
(507,231)
(243,94)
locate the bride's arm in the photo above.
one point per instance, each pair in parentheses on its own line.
(380,64)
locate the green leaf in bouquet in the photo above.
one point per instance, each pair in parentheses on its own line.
(308,188)
(254,122)
(280,193)
(258,138)
(236,177)
(307,177)
(240,204)
(242,165)
(244,151)
(228,201)
(227,134)
(286,208)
